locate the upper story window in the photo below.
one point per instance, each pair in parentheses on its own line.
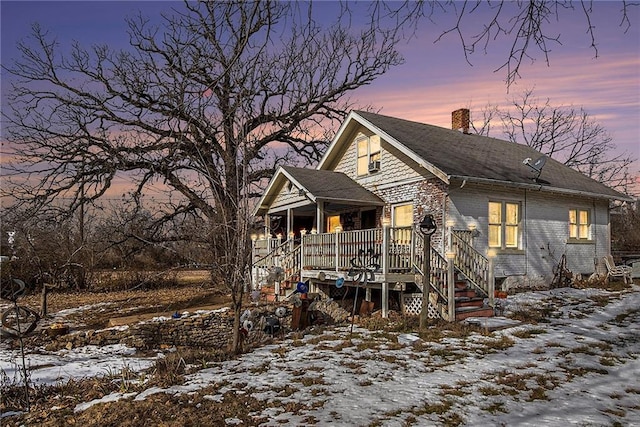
(368,155)
(504,225)
(579,224)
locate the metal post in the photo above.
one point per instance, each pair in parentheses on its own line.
(426,280)
(427,227)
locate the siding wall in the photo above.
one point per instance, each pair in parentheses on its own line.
(545,230)
(286,197)
(395,167)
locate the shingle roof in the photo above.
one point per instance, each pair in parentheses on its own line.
(330,185)
(468,156)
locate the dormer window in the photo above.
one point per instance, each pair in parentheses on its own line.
(368,155)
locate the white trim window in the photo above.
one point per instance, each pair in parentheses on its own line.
(402,215)
(579,224)
(368,153)
(504,225)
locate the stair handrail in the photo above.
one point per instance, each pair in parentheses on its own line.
(471,263)
(438,280)
(281,249)
(285,256)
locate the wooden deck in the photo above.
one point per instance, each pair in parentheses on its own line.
(394,256)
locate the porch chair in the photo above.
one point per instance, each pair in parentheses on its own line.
(614,270)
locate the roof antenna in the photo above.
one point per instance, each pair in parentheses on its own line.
(536,166)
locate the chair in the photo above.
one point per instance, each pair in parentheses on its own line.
(614,270)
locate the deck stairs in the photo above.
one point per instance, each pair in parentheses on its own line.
(469,302)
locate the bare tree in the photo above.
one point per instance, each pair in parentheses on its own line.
(204,105)
(523,24)
(565,133)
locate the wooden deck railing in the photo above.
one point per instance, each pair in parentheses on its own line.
(400,250)
(334,251)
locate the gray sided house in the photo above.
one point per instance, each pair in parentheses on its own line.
(505,215)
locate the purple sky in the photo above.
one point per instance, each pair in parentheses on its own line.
(435,78)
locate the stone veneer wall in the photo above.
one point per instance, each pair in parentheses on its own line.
(206,330)
(209,330)
(427,196)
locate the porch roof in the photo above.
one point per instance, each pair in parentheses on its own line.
(318,185)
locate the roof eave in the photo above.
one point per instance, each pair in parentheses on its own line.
(351,201)
(540,187)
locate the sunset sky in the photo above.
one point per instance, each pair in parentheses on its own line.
(435,78)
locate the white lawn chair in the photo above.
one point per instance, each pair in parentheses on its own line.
(614,270)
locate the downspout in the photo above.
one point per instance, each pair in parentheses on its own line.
(526,235)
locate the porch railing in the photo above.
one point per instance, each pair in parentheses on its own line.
(335,250)
(264,247)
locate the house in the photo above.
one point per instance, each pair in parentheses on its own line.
(504,214)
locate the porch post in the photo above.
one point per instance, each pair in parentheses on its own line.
(254,272)
(267,227)
(385,299)
(337,259)
(491,285)
(320,216)
(451,287)
(303,233)
(289,222)
(451,256)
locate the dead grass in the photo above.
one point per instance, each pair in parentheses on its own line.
(158,410)
(128,303)
(495,408)
(532,314)
(528,333)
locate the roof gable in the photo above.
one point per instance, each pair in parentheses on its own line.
(317,185)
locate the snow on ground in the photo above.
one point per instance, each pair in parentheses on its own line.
(83,362)
(580,368)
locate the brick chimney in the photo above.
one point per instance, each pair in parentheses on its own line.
(460,120)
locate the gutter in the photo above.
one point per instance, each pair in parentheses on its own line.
(540,187)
